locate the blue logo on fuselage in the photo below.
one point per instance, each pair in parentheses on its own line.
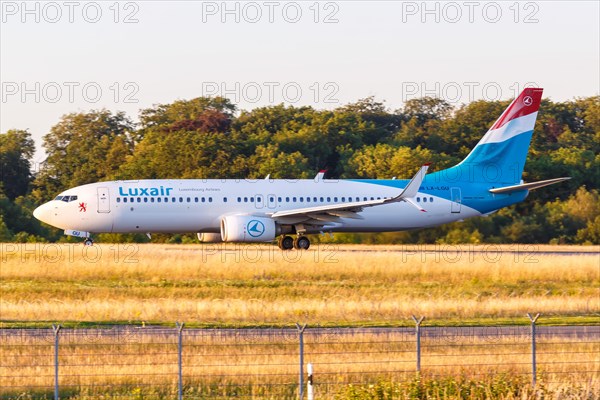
(147,191)
(255,228)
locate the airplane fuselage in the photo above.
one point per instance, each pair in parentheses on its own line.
(195,205)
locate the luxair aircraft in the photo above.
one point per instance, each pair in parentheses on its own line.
(488,179)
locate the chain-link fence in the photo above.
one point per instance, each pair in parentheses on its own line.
(301,362)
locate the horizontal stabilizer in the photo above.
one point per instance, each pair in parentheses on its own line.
(528,186)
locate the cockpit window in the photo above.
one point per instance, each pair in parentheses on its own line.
(66,199)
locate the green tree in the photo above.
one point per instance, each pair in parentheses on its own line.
(83,148)
(16,150)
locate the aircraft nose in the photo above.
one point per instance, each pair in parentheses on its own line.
(43,213)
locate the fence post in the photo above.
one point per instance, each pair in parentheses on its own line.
(418,339)
(533,361)
(310,395)
(179,326)
(56,329)
(301,340)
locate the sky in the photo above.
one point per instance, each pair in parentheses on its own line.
(74,56)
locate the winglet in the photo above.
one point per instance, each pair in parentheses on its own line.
(413,186)
(320,175)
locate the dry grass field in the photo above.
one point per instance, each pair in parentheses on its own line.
(328,285)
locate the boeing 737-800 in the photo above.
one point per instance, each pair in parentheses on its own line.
(488,179)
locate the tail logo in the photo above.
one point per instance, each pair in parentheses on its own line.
(527,100)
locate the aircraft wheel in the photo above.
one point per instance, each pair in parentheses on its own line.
(88,242)
(301,243)
(286,243)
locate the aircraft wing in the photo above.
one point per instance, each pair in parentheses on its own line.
(333,212)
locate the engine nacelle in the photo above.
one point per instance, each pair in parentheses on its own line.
(209,237)
(246,228)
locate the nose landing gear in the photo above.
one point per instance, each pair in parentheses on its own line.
(288,243)
(88,242)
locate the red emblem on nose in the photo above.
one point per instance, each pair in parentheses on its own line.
(82,207)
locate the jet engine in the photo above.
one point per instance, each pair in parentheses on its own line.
(209,237)
(247,228)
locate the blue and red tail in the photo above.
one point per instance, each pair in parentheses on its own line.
(499,157)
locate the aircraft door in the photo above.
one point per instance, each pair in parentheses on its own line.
(103,200)
(455,199)
(258,201)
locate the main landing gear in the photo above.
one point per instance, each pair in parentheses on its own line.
(288,243)
(88,242)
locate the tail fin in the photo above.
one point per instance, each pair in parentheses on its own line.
(500,155)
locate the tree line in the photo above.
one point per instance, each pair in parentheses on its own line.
(208,137)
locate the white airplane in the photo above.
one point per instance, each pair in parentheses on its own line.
(488,179)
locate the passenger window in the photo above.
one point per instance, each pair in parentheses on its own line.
(301,199)
(424,199)
(145,199)
(372,198)
(118,199)
(210,199)
(139,199)
(181,199)
(195,199)
(321,199)
(158,199)
(335,199)
(224,199)
(251,199)
(259,199)
(204,199)
(189,200)
(245,199)
(364,198)
(357,198)
(328,199)
(418,199)
(343,199)
(271,199)
(239,199)
(431,199)
(287,199)
(151,199)
(294,199)
(279,199)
